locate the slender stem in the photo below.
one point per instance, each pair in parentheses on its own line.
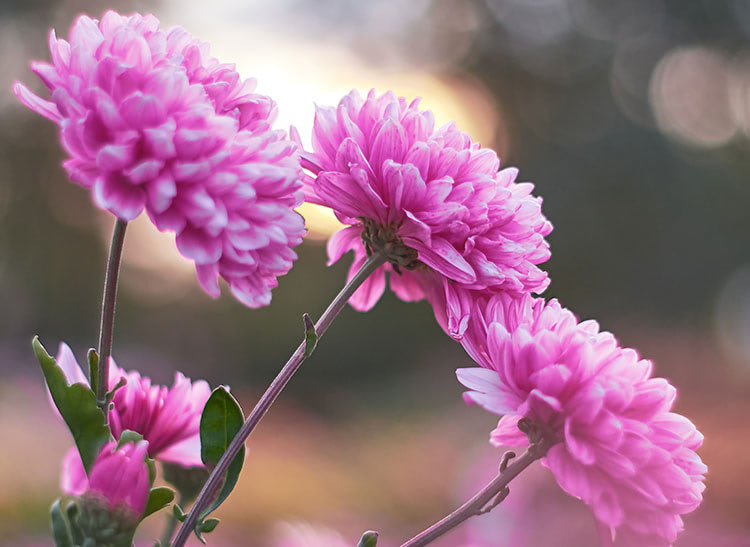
(108,312)
(292,365)
(484,500)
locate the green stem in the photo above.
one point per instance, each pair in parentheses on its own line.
(106,327)
(292,365)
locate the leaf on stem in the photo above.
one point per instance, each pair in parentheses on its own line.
(93,358)
(221,419)
(178,513)
(368,539)
(311,337)
(77,406)
(158,498)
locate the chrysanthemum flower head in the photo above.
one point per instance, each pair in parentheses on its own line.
(116,496)
(120,477)
(619,447)
(151,121)
(432,200)
(167,417)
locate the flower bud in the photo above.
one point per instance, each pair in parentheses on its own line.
(119,486)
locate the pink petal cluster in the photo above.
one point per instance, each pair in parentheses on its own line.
(432,199)
(151,121)
(120,477)
(620,447)
(168,418)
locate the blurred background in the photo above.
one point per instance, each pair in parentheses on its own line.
(631,117)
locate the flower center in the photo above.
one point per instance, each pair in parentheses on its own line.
(385,239)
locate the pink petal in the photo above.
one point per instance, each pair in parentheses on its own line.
(48,109)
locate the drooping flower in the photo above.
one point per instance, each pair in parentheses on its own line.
(167,417)
(619,447)
(116,496)
(431,199)
(151,121)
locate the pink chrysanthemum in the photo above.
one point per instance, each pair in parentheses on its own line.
(620,448)
(168,418)
(151,121)
(120,477)
(449,222)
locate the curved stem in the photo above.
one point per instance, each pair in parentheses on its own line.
(107,324)
(484,500)
(292,365)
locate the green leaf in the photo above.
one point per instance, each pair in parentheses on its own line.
(128,436)
(311,337)
(221,420)
(178,513)
(368,539)
(77,406)
(110,395)
(209,525)
(93,358)
(60,531)
(158,498)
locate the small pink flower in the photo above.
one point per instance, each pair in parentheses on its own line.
(120,478)
(168,418)
(434,201)
(620,447)
(151,121)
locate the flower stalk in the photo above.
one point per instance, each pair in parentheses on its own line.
(264,404)
(487,498)
(106,327)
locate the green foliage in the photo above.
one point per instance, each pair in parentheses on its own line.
(311,337)
(209,525)
(158,498)
(222,418)
(93,358)
(77,406)
(368,539)
(128,436)
(178,513)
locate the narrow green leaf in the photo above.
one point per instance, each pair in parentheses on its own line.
(93,359)
(368,539)
(128,436)
(221,420)
(311,337)
(77,406)
(110,395)
(178,513)
(209,525)
(158,498)
(60,531)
